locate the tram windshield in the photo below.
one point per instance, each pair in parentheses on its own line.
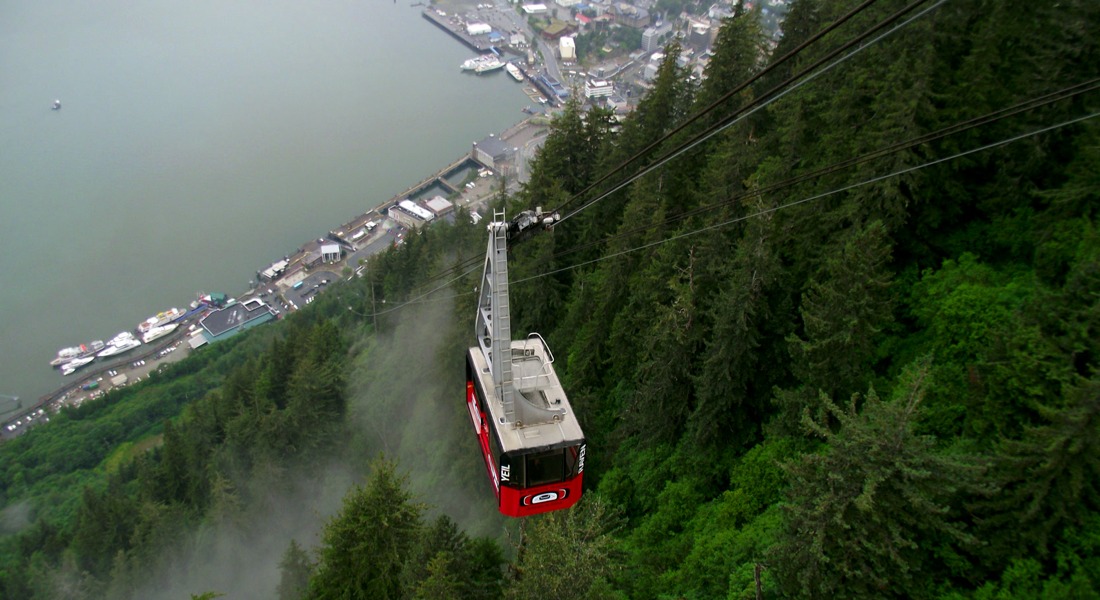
(542,467)
(545,467)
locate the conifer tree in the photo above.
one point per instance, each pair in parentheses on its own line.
(869,515)
(294,571)
(366,544)
(843,311)
(568,554)
(1049,479)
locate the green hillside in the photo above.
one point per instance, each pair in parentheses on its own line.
(838,343)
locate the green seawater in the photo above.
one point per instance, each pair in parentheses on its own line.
(199,141)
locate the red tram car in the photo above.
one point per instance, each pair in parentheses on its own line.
(528,433)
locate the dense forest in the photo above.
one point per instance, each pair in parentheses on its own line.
(837,337)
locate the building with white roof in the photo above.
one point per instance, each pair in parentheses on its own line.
(439,205)
(598,88)
(478,28)
(568,48)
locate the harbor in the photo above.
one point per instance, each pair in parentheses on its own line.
(287,284)
(465,180)
(203,185)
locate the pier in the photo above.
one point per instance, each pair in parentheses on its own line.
(454,25)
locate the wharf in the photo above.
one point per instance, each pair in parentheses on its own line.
(454,25)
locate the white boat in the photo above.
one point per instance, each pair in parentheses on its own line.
(483,63)
(70,367)
(514,71)
(65,355)
(123,342)
(160,319)
(491,64)
(158,332)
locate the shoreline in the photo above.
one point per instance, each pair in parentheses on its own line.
(296,271)
(69,391)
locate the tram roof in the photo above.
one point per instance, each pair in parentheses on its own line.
(534,378)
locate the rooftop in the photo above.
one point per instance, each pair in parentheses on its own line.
(236,315)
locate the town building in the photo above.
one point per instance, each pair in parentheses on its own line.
(330,253)
(439,205)
(653,38)
(699,36)
(630,16)
(597,88)
(410,214)
(491,152)
(235,318)
(556,30)
(568,49)
(274,271)
(478,28)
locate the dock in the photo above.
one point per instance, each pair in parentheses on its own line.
(455,26)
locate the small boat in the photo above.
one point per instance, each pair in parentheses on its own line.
(70,367)
(123,342)
(158,332)
(56,105)
(514,71)
(492,63)
(65,355)
(160,319)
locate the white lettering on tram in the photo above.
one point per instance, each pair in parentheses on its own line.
(505,471)
(580,460)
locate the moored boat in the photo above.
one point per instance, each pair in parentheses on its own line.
(70,367)
(514,71)
(160,319)
(123,342)
(492,63)
(65,355)
(483,63)
(158,332)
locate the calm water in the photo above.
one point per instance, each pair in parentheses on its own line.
(197,142)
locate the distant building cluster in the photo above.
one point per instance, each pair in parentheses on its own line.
(627,73)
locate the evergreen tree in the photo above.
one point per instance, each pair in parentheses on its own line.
(441,583)
(1049,479)
(294,571)
(843,311)
(366,544)
(870,515)
(568,554)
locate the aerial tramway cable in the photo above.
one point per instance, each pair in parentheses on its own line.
(725,97)
(988,118)
(778,91)
(422,298)
(468,266)
(821,195)
(737,89)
